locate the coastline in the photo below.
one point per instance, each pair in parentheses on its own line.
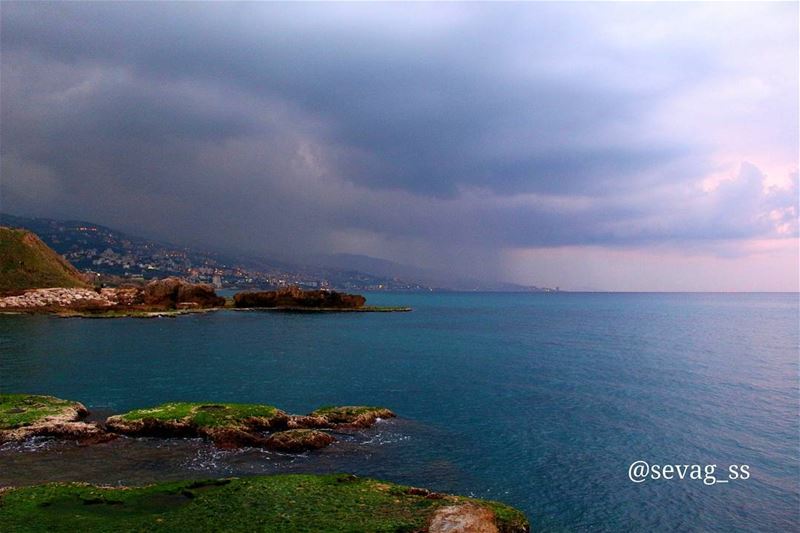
(174,313)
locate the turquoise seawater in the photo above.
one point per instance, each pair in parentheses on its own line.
(538,400)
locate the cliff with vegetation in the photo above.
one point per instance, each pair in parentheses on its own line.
(28,263)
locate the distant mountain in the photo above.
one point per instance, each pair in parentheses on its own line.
(375,266)
(28,263)
(430,277)
(95,248)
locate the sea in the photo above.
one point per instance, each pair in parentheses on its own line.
(549,402)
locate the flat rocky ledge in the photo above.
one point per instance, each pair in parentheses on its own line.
(227,425)
(286,503)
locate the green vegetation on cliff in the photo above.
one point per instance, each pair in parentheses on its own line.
(285,503)
(28,263)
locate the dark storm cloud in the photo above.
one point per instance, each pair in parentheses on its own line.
(284,125)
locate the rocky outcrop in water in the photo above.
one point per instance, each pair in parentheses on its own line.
(294,297)
(245,425)
(174,292)
(227,425)
(23,416)
(165,294)
(348,416)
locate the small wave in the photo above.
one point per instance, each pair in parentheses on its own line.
(210,460)
(33,444)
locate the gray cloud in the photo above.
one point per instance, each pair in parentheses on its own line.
(451,128)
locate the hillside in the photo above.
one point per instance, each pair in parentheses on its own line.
(96,248)
(28,263)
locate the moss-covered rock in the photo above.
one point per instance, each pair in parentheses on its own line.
(229,425)
(299,440)
(23,416)
(286,503)
(354,416)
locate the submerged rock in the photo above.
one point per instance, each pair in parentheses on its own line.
(294,297)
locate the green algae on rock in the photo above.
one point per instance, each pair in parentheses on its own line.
(233,425)
(228,425)
(28,415)
(286,503)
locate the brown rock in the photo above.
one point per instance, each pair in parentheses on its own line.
(230,438)
(294,297)
(83,433)
(465,518)
(353,416)
(308,422)
(299,440)
(162,292)
(170,292)
(201,294)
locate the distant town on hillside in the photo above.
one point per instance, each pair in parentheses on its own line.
(94,248)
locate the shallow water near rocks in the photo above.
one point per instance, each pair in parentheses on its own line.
(541,401)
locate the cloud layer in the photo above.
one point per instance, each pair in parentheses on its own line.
(449,135)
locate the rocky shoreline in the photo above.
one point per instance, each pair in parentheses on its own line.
(173,297)
(285,502)
(226,425)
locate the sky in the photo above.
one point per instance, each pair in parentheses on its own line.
(593,146)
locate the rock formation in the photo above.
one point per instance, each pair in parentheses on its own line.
(298,440)
(23,416)
(158,295)
(240,425)
(294,297)
(463,518)
(173,292)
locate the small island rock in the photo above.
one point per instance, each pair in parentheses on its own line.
(294,297)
